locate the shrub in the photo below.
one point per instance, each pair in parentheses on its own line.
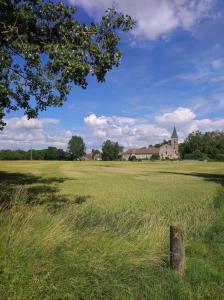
(155,157)
(196,155)
(132,158)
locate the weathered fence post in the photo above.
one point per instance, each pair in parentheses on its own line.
(177,251)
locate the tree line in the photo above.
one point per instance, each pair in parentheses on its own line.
(197,146)
(203,146)
(76,150)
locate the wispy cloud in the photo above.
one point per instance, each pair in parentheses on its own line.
(218,63)
(204,70)
(24,123)
(154,18)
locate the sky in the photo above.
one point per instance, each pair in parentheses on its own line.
(172,72)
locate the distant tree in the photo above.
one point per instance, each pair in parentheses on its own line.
(14,155)
(196,155)
(52,153)
(44,49)
(37,154)
(208,145)
(181,150)
(61,154)
(76,147)
(111,150)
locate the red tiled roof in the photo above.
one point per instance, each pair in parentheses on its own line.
(129,151)
(150,150)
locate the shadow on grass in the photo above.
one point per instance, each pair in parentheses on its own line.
(36,190)
(218,178)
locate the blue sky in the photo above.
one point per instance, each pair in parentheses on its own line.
(172,71)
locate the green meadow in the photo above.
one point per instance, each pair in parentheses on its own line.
(100,230)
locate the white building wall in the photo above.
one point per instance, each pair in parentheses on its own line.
(143,156)
(167,151)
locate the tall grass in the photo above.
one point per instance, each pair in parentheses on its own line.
(100,248)
(89,253)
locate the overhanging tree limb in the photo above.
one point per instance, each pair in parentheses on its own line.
(44,50)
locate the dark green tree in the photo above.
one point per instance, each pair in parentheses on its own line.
(52,153)
(208,145)
(76,147)
(44,49)
(155,157)
(111,150)
(14,155)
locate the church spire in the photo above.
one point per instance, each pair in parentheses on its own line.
(174,134)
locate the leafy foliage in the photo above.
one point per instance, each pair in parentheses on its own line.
(155,157)
(14,155)
(76,147)
(44,50)
(111,150)
(208,145)
(51,153)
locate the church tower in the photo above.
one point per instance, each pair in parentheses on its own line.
(174,142)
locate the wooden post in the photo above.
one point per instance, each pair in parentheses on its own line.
(177,251)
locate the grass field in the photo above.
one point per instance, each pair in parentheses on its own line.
(100,230)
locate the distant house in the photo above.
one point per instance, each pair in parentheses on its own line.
(97,156)
(88,156)
(142,153)
(166,151)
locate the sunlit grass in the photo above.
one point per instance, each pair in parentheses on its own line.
(110,239)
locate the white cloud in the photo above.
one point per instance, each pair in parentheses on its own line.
(179,116)
(154,18)
(186,122)
(129,132)
(92,119)
(21,133)
(209,125)
(24,123)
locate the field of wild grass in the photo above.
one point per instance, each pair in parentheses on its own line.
(100,230)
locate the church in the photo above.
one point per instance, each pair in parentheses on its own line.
(166,151)
(170,151)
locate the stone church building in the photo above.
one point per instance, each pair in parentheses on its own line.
(166,151)
(170,151)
